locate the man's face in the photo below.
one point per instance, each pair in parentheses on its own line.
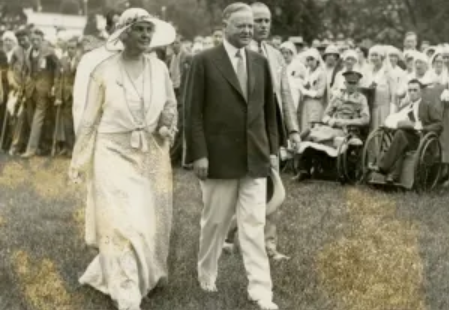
(72,48)
(139,36)
(24,41)
(36,40)
(414,91)
(239,28)
(276,43)
(177,45)
(208,42)
(410,42)
(217,37)
(262,23)
(351,86)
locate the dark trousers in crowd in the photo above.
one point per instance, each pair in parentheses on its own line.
(22,126)
(42,106)
(176,152)
(65,132)
(403,142)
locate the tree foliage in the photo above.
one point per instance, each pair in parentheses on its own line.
(71,7)
(383,21)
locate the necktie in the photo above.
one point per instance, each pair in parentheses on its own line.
(241,74)
(260,48)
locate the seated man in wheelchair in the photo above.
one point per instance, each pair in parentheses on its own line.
(414,118)
(348,109)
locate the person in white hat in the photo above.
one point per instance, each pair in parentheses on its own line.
(331,57)
(122,148)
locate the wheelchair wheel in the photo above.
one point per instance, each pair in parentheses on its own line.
(375,146)
(349,162)
(428,163)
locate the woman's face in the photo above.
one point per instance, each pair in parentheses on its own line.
(139,36)
(375,59)
(312,63)
(439,63)
(361,55)
(288,55)
(394,59)
(350,63)
(8,44)
(420,67)
(446,59)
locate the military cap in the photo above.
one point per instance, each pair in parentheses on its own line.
(352,76)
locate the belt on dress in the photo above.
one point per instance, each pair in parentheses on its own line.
(138,139)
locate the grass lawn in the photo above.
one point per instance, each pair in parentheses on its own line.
(351,248)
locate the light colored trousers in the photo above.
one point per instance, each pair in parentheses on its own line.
(246,198)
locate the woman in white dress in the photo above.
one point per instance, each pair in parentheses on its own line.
(383,83)
(123,149)
(314,90)
(296,71)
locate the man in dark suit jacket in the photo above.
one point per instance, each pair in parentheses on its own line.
(232,140)
(43,68)
(423,116)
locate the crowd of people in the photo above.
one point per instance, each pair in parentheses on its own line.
(229,105)
(38,76)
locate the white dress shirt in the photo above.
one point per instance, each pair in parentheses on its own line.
(231,50)
(416,105)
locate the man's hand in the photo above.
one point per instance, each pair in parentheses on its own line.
(405,124)
(201,168)
(418,126)
(274,161)
(295,139)
(331,122)
(58,102)
(339,123)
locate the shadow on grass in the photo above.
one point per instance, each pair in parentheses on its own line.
(42,251)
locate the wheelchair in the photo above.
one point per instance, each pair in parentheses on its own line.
(342,163)
(421,168)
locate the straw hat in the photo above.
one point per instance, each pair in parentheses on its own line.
(164,33)
(331,50)
(275,191)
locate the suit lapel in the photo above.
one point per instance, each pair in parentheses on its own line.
(224,65)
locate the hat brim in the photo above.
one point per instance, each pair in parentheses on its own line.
(275,192)
(164,34)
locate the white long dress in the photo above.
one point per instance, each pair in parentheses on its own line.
(129,203)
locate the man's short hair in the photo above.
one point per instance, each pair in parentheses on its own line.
(24,32)
(416,81)
(234,8)
(259,5)
(38,32)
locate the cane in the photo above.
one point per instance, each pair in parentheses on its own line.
(4,127)
(55,133)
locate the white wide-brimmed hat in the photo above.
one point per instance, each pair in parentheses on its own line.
(164,33)
(275,191)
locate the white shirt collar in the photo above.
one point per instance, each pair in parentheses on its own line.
(232,50)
